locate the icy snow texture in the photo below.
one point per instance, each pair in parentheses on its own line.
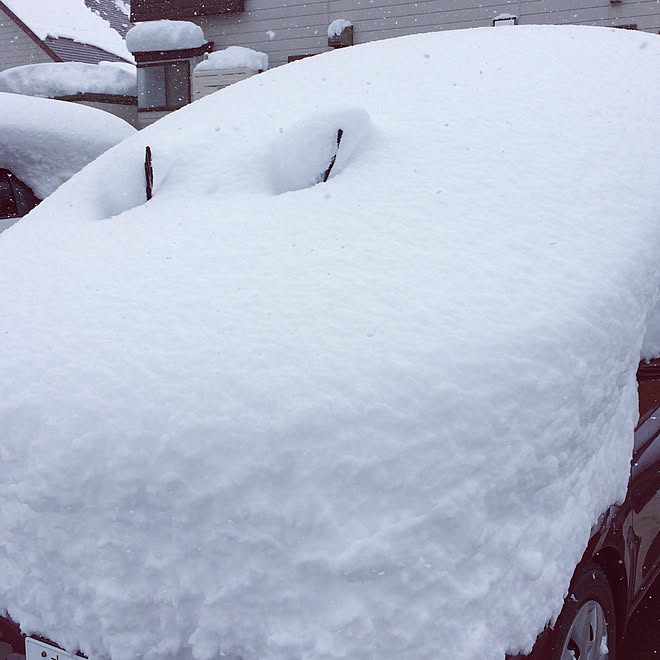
(45,142)
(364,419)
(69,78)
(164,35)
(337,27)
(70,19)
(234,57)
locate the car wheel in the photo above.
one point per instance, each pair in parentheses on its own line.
(586,627)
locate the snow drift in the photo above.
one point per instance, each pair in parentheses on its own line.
(52,79)
(234,57)
(270,418)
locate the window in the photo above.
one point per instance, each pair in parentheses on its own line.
(164,86)
(505,19)
(16,199)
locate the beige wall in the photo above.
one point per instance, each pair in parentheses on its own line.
(147,118)
(16,48)
(128,113)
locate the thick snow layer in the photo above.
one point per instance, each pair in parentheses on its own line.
(70,19)
(234,57)
(263,417)
(45,142)
(69,78)
(338,26)
(164,35)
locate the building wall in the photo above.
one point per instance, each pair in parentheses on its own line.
(16,47)
(299,27)
(145,119)
(128,113)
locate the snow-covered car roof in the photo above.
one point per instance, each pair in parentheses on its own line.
(272,418)
(44,142)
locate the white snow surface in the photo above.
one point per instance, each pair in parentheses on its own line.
(44,142)
(234,57)
(70,19)
(273,419)
(337,27)
(53,79)
(164,35)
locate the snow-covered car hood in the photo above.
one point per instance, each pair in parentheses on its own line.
(264,417)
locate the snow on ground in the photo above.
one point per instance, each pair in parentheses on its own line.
(69,78)
(264,417)
(234,57)
(164,35)
(44,142)
(70,19)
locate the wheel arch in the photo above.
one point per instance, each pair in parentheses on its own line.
(614,568)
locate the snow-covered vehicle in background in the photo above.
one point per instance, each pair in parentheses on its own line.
(359,380)
(43,143)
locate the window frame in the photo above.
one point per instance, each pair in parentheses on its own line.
(167,107)
(508,20)
(22,195)
(297,58)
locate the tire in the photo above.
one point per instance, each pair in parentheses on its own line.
(586,627)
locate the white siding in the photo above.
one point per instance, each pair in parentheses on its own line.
(300,27)
(16,48)
(276,28)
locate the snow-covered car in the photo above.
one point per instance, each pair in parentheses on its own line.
(622,559)
(341,362)
(43,143)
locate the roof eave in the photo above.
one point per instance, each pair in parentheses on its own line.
(40,42)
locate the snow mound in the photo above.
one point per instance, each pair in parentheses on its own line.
(338,26)
(164,35)
(45,142)
(70,19)
(69,78)
(371,417)
(304,151)
(234,57)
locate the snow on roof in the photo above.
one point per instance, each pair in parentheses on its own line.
(69,19)
(338,26)
(116,12)
(164,35)
(368,418)
(54,79)
(45,142)
(234,57)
